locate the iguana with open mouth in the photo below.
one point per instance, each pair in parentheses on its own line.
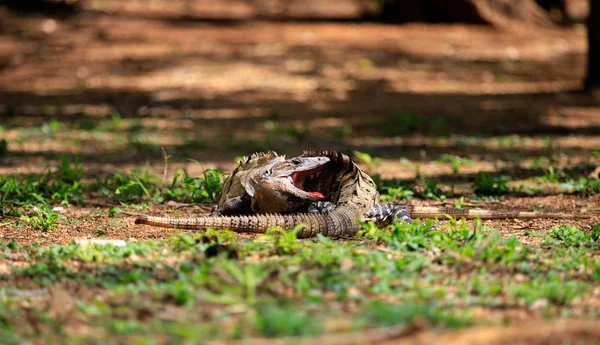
(352,190)
(324,190)
(268,183)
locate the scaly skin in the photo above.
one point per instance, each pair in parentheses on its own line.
(262,183)
(340,222)
(238,189)
(353,190)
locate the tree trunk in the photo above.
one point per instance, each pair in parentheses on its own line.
(501,13)
(566,12)
(43,6)
(593,74)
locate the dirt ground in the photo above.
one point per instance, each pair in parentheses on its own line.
(212,91)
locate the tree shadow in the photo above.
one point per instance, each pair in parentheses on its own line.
(376,107)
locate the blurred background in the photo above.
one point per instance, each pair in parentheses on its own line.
(114,81)
(110,105)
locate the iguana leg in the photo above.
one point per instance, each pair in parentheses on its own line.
(233,206)
(320,207)
(384,214)
(214,212)
(381,214)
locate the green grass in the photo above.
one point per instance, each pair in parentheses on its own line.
(395,192)
(43,218)
(278,286)
(487,184)
(190,288)
(456,162)
(65,185)
(339,133)
(433,191)
(61,185)
(366,159)
(3,146)
(399,123)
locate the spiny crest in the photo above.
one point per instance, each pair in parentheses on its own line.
(316,153)
(257,155)
(337,158)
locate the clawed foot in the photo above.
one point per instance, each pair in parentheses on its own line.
(384,214)
(215,212)
(321,207)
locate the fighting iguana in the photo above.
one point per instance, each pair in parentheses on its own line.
(285,197)
(260,185)
(353,191)
(340,194)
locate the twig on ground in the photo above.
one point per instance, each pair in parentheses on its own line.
(7,223)
(166,157)
(370,336)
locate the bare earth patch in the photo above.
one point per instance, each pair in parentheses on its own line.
(115,89)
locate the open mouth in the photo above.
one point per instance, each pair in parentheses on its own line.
(298,178)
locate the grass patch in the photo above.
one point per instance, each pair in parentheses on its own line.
(486,184)
(196,287)
(64,185)
(571,236)
(43,218)
(278,286)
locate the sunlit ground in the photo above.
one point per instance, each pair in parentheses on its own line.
(423,108)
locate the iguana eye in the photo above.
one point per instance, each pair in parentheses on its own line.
(296,160)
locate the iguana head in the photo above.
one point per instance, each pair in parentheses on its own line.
(328,179)
(268,183)
(324,175)
(235,198)
(282,187)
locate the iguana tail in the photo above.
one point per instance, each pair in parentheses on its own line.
(336,223)
(439,212)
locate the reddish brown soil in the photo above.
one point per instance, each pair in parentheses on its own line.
(224,84)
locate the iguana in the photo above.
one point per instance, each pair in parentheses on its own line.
(381,213)
(352,189)
(340,194)
(250,189)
